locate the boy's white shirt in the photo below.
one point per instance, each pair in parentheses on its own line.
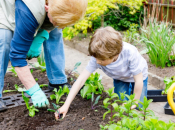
(129,63)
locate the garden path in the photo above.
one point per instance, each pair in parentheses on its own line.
(73,56)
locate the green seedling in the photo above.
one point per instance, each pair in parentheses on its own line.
(18,88)
(58,94)
(94,103)
(36,79)
(56,107)
(31,71)
(75,68)
(108,102)
(146,112)
(168,82)
(31,109)
(43,85)
(13,71)
(92,85)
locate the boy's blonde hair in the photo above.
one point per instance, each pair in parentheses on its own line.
(105,44)
(67,12)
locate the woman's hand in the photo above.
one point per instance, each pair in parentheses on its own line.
(63,110)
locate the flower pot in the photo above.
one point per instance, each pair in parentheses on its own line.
(167,109)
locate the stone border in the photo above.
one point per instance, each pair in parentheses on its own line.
(153,79)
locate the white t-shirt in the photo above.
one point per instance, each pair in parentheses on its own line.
(129,63)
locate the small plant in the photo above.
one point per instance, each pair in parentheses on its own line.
(159,40)
(13,71)
(31,109)
(93,103)
(75,68)
(43,85)
(58,94)
(168,82)
(92,85)
(18,88)
(55,109)
(171,61)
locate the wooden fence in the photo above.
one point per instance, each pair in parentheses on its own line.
(161,10)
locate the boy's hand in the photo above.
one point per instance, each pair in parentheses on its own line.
(63,110)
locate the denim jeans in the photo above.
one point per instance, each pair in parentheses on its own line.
(55,58)
(128,88)
(5,40)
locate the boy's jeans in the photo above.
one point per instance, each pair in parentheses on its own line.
(54,56)
(128,88)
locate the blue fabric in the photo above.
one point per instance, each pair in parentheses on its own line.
(26,25)
(5,39)
(128,87)
(55,58)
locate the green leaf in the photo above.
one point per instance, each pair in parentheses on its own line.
(26,100)
(52,96)
(86,89)
(76,65)
(55,106)
(105,102)
(97,99)
(113,127)
(7,91)
(66,89)
(114,95)
(104,115)
(51,110)
(115,106)
(31,113)
(110,91)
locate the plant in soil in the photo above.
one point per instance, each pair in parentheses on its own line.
(159,40)
(130,119)
(31,109)
(55,109)
(59,93)
(74,71)
(168,82)
(92,85)
(94,103)
(17,87)
(13,71)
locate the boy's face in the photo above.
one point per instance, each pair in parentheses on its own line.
(106,62)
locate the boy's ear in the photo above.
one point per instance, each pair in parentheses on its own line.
(46,8)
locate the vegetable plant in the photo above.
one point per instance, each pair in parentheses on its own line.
(94,103)
(31,109)
(55,109)
(168,82)
(75,68)
(59,93)
(17,87)
(92,85)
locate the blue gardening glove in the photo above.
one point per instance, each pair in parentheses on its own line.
(38,97)
(36,47)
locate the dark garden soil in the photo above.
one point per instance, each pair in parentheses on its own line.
(165,72)
(79,116)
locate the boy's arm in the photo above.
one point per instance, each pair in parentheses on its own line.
(138,87)
(74,90)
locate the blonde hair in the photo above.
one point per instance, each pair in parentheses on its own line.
(105,44)
(67,12)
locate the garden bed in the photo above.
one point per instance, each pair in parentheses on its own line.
(80,115)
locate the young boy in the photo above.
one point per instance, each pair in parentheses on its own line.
(119,60)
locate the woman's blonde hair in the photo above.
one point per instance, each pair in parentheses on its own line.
(66,12)
(105,44)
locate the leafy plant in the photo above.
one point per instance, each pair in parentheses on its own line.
(92,85)
(58,94)
(75,68)
(171,61)
(131,34)
(18,88)
(97,8)
(93,103)
(159,40)
(55,109)
(31,109)
(168,82)
(43,85)
(12,69)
